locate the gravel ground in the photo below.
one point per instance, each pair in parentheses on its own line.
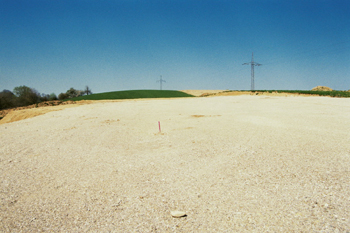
(231,163)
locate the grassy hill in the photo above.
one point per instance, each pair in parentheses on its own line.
(133,94)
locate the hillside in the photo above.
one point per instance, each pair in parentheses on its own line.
(133,94)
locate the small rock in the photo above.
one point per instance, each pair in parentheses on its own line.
(178,214)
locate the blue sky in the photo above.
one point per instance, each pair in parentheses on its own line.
(110,45)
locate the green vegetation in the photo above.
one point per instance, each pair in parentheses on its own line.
(133,94)
(72,93)
(344,94)
(319,93)
(23,96)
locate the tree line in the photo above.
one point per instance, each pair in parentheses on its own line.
(24,96)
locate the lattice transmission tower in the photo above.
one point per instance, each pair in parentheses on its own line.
(161,81)
(252,64)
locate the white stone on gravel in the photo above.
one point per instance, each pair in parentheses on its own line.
(178,214)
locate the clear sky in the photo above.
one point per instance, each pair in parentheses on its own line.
(110,45)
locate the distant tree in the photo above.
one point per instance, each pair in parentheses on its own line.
(63,96)
(26,95)
(72,93)
(80,93)
(44,97)
(22,91)
(87,90)
(52,96)
(7,99)
(7,91)
(47,97)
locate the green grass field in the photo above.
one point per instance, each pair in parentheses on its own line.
(133,94)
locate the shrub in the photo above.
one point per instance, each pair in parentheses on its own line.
(7,99)
(52,96)
(63,96)
(26,95)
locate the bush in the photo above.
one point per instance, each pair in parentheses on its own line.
(7,99)
(26,95)
(52,96)
(63,96)
(44,97)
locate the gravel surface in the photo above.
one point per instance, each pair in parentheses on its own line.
(231,163)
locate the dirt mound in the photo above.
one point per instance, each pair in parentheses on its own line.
(21,113)
(202,92)
(321,88)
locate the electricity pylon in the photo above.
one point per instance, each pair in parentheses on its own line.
(161,81)
(252,64)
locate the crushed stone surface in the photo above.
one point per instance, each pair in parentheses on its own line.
(231,163)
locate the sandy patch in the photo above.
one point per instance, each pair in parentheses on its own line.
(321,88)
(21,113)
(211,93)
(17,115)
(202,92)
(231,163)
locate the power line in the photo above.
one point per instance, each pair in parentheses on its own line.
(252,64)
